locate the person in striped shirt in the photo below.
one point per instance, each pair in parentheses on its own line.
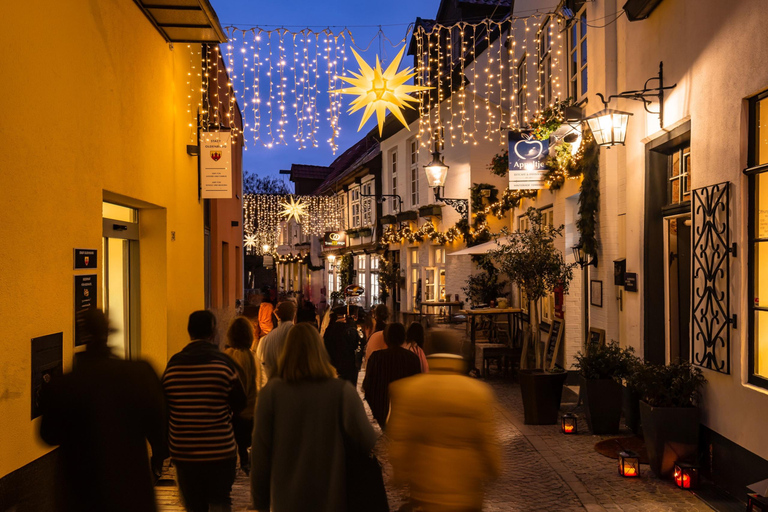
(203,392)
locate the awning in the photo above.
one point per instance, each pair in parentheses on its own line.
(184,21)
(481,248)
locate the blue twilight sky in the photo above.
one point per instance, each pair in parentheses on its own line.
(393,15)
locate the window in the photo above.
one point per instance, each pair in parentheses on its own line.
(374,286)
(522,92)
(354,202)
(367,203)
(758,242)
(577,53)
(435,276)
(680,176)
(545,66)
(415,280)
(361,262)
(343,206)
(414,152)
(393,159)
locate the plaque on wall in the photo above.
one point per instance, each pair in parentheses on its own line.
(630,282)
(85,258)
(85,296)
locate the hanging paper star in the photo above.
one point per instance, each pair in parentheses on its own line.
(250,241)
(295,209)
(379,90)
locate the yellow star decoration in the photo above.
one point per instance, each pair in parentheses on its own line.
(250,241)
(295,209)
(379,90)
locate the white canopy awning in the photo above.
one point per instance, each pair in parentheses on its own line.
(481,248)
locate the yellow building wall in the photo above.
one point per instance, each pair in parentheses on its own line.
(95,104)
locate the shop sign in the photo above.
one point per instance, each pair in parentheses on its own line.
(283,250)
(526,161)
(85,258)
(630,282)
(85,295)
(335,240)
(216,165)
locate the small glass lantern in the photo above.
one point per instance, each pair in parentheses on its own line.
(436,171)
(568,424)
(629,464)
(757,503)
(686,475)
(609,127)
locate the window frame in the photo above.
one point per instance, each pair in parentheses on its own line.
(752,240)
(544,65)
(355,207)
(682,177)
(393,181)
(577,76)
(413,153)
(522,92)
(367,203)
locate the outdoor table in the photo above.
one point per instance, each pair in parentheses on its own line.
(448,305)
(472,315)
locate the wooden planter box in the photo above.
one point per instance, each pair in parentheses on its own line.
(431,210)
(541,392)
(388,219)
(671,434)
(602,401)
(407,216)
(364,232)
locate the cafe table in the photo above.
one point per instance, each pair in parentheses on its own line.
(473,314)
(446,305)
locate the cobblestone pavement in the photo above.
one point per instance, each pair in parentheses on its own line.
(543,470)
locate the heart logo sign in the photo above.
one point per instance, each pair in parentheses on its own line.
(528,149)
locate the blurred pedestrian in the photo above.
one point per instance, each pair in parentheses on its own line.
(305,420)
(264,323)
(385,367)
(341,342)
(239,340)
(102,414)
(414,341)
(376,341)
(203,391)
(442,433)
(272,345)
(307,314)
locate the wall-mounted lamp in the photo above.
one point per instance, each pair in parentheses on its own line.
(437,171)
(609,126)
(581,257)
(193,150)
(265,248)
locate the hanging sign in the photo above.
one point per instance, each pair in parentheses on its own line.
(335,240)
(85,258)
(216,165)
(526,161)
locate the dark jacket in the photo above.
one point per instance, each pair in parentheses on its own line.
(102,414)
(383,368)
(341,341)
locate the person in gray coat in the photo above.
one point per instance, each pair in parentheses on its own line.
(304,417)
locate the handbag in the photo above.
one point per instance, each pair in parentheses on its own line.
(364,479)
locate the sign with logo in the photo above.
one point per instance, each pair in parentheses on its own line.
(335,240)
(526,161)
(216,165)
(630,282)
(85,258)
(85,295)
(283,250)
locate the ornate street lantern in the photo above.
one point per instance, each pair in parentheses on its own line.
(629,464)
(568,424)
(609,127)
(686,475)
(436,171)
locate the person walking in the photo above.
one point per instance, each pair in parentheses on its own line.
(203,392)
(442,433)
(385,367)
(239,340)
(414,341)
(272,345)
(102,414)
(306,420)
(341,342)
(376,341)
(263,324)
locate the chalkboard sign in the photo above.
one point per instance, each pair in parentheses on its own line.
(553,343)
(596,337)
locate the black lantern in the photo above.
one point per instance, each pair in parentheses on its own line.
(581,257)
(757,503)
(686,475)
(568,424)
(437,171)
(629,464)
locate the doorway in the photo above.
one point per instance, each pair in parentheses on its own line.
(120,264)
(678,287)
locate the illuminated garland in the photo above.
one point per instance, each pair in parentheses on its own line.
(393,235)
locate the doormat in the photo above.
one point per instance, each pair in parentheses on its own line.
(611,447)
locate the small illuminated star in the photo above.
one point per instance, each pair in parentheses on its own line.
(295,209)
(250,241)
(378,90)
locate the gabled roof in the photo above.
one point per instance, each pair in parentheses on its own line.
(310,172)
(362,152)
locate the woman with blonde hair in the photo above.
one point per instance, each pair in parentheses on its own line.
(239,339)
(305,417)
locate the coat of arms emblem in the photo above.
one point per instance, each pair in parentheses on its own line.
(215,155)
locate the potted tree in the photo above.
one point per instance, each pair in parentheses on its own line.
(485,286)
(601,370)
(669,398)
(532,262)
(631,394)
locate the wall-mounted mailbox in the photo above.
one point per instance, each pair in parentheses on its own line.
(46,365)
(619,269)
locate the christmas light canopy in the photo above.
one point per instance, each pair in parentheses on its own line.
(378,91)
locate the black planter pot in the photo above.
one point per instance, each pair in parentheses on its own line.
(631,409)
(602,401)
(541,392)
(671,434)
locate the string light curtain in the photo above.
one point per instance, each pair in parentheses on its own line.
(263,218)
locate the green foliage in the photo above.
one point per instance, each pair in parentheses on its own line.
(252,184)
(608,361)
(532,261)
(589,199)
(674,385)
(308,262)
(389,276)
(486,286)
(500,164)
(549,120)
(347,270)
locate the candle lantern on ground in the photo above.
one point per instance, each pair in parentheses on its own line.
(629,464)
(686,475)
(568,424)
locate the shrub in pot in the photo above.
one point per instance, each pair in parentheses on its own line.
(601,369)
(631,400)
(670,414)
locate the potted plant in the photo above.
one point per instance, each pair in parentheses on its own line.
(669,398)
(630,406)
(486,286)
(388,219)
(531,261)
(601,370)
(430,210)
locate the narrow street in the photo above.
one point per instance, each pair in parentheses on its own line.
(543,470)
